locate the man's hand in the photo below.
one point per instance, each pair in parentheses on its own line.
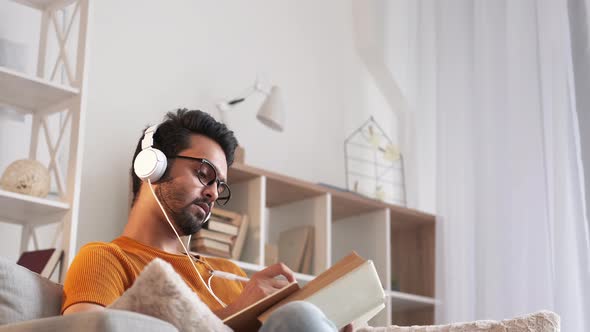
(261,284)
(264,283)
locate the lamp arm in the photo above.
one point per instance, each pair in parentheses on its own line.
(244,96)
(236,101)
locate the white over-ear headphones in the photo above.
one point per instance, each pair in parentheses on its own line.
(150,163)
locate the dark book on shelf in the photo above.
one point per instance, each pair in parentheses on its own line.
(40,261)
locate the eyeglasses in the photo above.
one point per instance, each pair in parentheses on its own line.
(207,175)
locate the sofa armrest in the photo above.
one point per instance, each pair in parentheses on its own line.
(107,320)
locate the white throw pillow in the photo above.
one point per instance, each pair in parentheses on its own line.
(542,321)
(160,292)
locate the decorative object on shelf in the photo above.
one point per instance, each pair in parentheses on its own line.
(271,112)
(27,177)
(13,55)
(271,254)
(374,164)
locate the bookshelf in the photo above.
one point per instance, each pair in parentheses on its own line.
(57,87)
(32,93)
(400,241)
(24,209)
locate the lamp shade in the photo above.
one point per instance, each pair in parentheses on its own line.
(271,113)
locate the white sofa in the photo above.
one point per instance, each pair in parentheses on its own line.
(29,302)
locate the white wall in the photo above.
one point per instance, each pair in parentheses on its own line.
(147,57)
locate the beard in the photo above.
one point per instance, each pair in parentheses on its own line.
(174,201)
(187,222)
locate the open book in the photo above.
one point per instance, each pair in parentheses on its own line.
(348,292)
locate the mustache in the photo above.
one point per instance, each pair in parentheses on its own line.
(202,200)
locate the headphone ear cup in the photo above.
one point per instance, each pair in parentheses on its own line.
(150,164)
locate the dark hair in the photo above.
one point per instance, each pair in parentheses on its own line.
(174,135)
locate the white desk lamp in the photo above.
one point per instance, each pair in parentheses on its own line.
(271,112)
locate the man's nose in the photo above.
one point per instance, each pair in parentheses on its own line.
(211,192)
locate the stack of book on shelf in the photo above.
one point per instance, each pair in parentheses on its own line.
(224,235)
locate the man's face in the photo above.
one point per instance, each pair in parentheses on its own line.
(186,200)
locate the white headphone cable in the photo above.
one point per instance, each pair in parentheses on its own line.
(184,247)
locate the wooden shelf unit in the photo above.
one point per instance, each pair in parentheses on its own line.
(400,241)
(24,209)
(45,4)
(32,94)
(42,95)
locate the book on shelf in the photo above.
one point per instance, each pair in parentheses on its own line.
(348,292)
(211,251)
(42,262)
(240,239)
(229,217)
(296,248)
(213,235)
(271,254)
(307,254)
(208,243)
(223,227)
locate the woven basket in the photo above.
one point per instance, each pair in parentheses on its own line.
(27,177)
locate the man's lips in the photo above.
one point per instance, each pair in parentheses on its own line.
(204,206)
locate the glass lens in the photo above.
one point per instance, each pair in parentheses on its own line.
(207,174)
(223,192)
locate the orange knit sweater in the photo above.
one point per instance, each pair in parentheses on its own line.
(101,272)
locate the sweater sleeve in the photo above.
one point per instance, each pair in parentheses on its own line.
(99,274)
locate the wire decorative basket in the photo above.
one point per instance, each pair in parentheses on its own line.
(374,165)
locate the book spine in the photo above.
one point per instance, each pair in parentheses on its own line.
(213,252)
(216,236)
(223,227)
(240,239)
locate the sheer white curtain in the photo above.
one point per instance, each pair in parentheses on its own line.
(513,237)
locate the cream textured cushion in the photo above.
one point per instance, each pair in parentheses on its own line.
(160,292)
(25,295)
(543,321)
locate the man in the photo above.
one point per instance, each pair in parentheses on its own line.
(198,151)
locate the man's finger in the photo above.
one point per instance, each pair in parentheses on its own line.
(278,269)
(279,283)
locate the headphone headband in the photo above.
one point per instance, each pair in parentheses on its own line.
(148,137)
